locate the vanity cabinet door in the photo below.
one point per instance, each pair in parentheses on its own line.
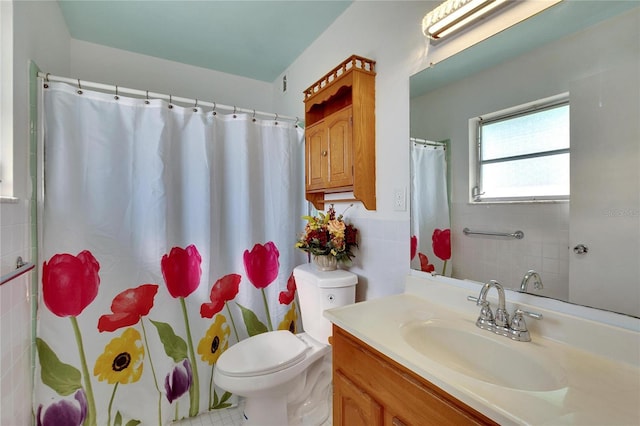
(352,405)
(365,378)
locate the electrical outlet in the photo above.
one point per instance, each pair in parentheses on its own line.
(399,199)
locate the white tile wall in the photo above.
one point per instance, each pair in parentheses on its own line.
(544,248)
(15,318)
(382,258)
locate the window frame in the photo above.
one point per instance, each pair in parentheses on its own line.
(6,102)
(475,150)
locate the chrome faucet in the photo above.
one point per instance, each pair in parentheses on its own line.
(499,324)
(501,318)
(537,283)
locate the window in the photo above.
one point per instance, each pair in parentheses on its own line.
(522,154)
(6,99)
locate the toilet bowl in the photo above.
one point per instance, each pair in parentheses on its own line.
(286,378)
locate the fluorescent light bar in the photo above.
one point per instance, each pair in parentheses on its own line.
(452,15)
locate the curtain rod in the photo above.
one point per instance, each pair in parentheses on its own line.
(427,142)
(147,94)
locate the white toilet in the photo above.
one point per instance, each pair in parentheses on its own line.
(286,378)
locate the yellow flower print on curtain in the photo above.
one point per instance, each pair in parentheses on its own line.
(121,360)
(120,363)
(215,341)
(210,347)
(290,320)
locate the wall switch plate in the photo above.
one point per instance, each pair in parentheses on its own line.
(399,199)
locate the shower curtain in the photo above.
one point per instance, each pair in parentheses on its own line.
(167,235)
(430,223)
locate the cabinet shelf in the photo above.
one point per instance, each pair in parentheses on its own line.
(340,133)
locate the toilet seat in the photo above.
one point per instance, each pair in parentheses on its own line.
(263,354)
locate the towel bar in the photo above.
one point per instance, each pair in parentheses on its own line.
(21,268)
(518,235)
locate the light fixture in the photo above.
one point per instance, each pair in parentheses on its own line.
(453,15)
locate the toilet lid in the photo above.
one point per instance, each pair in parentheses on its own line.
(262,354)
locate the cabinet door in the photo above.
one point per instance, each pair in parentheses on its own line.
(340,149)
(352,406)
(316,156)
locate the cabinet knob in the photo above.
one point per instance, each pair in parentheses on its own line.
(324,153)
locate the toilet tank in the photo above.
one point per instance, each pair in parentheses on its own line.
(320,290)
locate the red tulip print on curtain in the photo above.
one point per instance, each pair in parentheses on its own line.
(182,273)
(69,284)
(425,266)
(223,291)
(128,307)
(286,297)
(262,265)
(442,245)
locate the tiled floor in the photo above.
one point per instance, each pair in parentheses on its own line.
(227,417)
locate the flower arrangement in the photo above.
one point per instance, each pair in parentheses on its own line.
(328,235)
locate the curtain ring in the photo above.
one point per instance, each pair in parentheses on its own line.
(276,118)
(297,121)
(195,108)
(116,97)
(79,91)
(146,101)
(214,109)
(254,115)
(170,102)
(46,81)
(234,111)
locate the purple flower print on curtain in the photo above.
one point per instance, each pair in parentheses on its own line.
(65,412)
(178,381)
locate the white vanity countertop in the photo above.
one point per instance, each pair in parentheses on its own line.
(600,363)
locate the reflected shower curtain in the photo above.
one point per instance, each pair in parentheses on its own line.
(167,235)
(430,223)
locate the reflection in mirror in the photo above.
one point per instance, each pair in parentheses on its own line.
(430,207)
(585,250)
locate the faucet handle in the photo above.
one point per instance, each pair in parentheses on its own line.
(485,319)
(518,326)
(528,313)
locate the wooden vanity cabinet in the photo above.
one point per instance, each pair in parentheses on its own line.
(340,134)
(370,389)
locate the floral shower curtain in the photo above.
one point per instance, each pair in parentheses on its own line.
(430,223)
(167,235)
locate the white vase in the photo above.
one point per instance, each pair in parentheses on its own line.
(325,263)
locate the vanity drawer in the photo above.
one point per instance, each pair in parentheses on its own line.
(371,389)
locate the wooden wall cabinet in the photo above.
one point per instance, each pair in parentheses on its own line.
(340,134)
(370,389)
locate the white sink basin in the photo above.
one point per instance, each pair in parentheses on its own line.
(484,356)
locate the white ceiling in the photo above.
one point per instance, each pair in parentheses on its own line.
(254,39)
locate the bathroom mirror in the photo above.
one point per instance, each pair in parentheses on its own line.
(587,249)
